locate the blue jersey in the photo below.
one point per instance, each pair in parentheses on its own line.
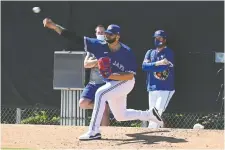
(122,60)
(159,77)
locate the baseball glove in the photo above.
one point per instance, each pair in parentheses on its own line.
(162,75)
(104,66)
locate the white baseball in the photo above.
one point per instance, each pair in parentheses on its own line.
(36,9)
(198,126)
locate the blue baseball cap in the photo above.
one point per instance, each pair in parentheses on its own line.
(160,33)
(113,29)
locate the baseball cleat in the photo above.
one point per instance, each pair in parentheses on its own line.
(90,136)
(157,118)
(154,125)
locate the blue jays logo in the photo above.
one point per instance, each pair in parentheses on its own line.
(109,27)
(161,57)
(118,65)
(158,32)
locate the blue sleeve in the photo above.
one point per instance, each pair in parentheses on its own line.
(147,65)
(131,63)
(170,56)
(152,67)
(90,45)
(147,55)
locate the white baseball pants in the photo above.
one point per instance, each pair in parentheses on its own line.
(159,100)
(115,92)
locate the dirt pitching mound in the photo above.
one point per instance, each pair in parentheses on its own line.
(66,137)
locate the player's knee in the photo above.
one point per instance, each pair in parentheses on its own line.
(120,117)
(84,103)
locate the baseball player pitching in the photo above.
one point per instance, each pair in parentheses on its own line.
(117,65)
(159,65)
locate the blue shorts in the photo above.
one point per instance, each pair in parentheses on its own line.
(89,91)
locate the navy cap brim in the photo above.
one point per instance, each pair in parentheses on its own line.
(159,36)
(108,32)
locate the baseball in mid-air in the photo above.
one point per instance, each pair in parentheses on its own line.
(36,9)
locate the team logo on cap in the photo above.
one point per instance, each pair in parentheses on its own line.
(110,27)
(158,32)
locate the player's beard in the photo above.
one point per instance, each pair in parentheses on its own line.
(110,41)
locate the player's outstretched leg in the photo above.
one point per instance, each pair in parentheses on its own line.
(121,113)
(116,94)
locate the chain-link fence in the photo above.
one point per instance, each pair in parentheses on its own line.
(30,115)
(51,116)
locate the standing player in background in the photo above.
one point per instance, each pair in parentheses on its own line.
(99,33)
(117,65)
(158,63)
(95,80)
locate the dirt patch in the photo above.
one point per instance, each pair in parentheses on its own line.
(66,137)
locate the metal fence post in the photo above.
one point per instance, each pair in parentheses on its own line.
(71,113)
(18,115)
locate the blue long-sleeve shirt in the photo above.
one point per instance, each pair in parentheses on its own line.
(159,77)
